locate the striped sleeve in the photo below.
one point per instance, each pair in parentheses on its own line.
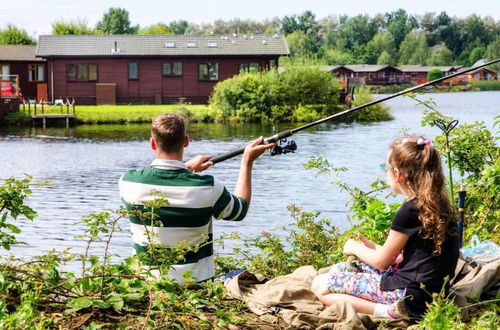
(228,206)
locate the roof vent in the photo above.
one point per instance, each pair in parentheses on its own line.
(170,44)
(212,44)
(115,49)
(191,44)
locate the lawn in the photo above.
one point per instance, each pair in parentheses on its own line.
(112,114)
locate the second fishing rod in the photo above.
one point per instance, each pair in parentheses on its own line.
(290,146)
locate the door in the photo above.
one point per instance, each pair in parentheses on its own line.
(41,92)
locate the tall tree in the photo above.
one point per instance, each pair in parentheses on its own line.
(440,55)
(77,26)
(407,48)
(385,58)
(493,52)
(159,28)
(15,36)
(116,21)
(300,44)
(178,27)
(421,53)
(400,24)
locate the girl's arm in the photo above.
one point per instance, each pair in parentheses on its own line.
(382,257)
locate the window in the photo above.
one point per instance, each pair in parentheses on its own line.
(249,67)
(133,71)
(209,71)
(4,71)
(36,72)
(212,44)
(172,69)
(191,44)
(82,72)
(170,44)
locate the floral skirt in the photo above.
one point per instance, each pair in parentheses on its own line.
(364,283)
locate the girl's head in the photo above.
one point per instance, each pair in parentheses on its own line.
(415,170)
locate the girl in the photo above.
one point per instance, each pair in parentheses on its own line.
(423,228)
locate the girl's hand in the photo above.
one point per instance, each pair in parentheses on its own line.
(364,240)
(350,247)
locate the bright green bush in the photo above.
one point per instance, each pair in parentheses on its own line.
(17,118)
(274,96)
(375,112)
(434,74)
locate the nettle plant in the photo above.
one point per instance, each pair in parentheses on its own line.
(39,294)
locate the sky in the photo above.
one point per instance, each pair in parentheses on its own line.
(36,16)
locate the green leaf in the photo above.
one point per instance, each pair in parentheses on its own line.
(116,301)
(13,228)
(78,304)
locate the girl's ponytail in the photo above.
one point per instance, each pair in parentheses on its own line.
(420,162)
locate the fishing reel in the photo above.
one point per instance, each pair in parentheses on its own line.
(283,147)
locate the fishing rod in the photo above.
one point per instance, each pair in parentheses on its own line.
(285,146)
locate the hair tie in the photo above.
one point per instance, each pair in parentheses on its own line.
(423,142)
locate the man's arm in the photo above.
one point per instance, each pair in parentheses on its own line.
(252,151)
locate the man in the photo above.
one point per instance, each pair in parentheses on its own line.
(192,199)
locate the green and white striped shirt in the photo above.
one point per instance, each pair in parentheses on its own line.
(192,201)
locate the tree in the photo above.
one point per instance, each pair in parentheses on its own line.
(159,28)
(116,21)
(178,27)
(476,54)
(434,74)
(15,36)
(421,53)
(440,55)
(300,44)
(408,47)
(493,52)
(400,24)
(357,30)
(77,26)
(385,58)
(381,42)
(337,57)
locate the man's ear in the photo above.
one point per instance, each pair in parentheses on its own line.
(153,143)
(186,141)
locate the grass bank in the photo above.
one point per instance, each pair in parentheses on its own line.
(120,114)
(493,85)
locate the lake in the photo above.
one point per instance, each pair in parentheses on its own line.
(85,163)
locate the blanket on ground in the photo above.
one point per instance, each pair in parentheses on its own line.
(290,298)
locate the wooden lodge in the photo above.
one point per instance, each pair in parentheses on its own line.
(151,69)
(20,61)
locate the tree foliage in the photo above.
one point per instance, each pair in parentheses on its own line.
(77,26)
(116,21)
(13,35)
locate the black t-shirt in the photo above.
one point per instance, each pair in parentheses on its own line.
(419,265)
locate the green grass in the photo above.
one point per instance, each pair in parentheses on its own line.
(492,85)
(116,114)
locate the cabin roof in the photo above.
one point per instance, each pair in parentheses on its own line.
(421,68)
(18,53)
(368,67)
(161,45)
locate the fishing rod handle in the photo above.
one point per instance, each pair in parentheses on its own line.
(272,139)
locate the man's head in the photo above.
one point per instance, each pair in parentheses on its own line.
(169,133)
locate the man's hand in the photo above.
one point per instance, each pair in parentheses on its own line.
(254,149)
(199,163)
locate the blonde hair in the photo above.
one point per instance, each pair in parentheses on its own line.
(169,131)
(420,163)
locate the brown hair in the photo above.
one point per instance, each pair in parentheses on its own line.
(420,163)
(169,131)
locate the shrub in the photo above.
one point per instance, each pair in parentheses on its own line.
(17,118)
(434,74)
(276,96)
(375,112)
